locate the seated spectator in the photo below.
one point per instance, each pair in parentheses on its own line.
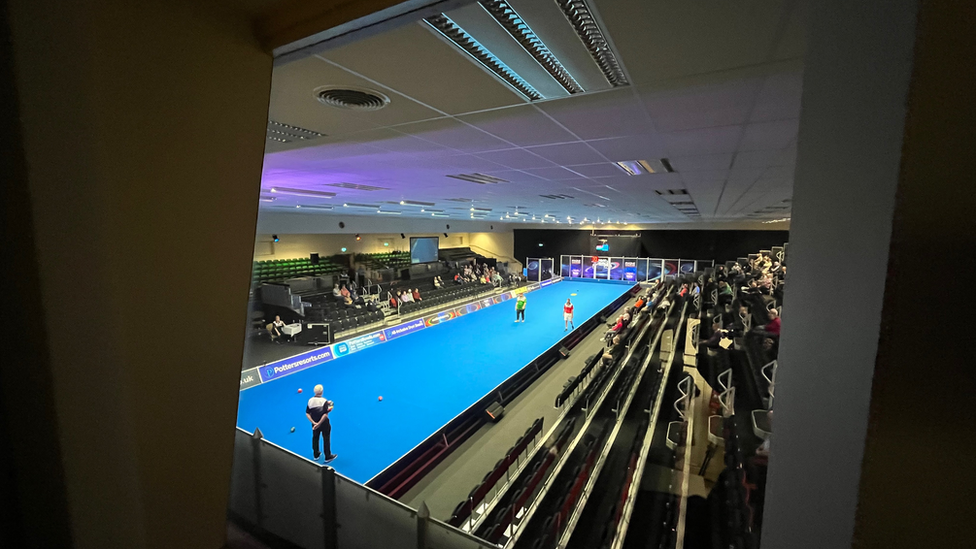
(717,335)
(347,301)
(774,324)
(353,286)
(407,297)
(683,291)
(640,303)
(394,302)
(345,291)
(336,292)
(275,329)
(437,282)
(416,294)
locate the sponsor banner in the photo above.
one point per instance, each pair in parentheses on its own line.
(497,299)
(404,329)
(533,287)
(250,378)
(548,282)
(506,296)
(439,318)
(465,309)
(357,344)
(294,364)
(487,302)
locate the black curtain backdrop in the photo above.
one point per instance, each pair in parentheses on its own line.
(666,244)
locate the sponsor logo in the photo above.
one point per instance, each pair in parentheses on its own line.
(439,318)
(250,378)
(357,344)
(497,299)
(506,296)
(296,364)
(404,329)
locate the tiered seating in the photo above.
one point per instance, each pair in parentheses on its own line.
(438,298)
(278,270)
(385,260)
(733,515)
(459,255)
(465,511)
(343,321)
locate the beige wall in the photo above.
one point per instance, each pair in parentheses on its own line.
(499,245)
(143,131)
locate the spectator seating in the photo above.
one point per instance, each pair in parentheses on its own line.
(278,270)
(396,259)
(465,511)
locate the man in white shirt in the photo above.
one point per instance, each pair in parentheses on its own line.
(317,413)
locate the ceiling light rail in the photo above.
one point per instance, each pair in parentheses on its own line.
(581,18)
(459,37)
(512,22)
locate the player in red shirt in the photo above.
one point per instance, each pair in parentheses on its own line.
(568,315)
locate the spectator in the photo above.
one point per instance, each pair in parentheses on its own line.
(437,282)
(774,324)
(717,335)
(394,302)
(407,296)
(344,291)
(275,329)
(416,294)
(336,292)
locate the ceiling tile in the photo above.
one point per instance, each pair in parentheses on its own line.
(522,126)
(553,174)
(614,113)
(704,141)
(453,134)
(759,159)
(779,98)
(469,163)
(700,163)
(602,169)
(517,159)
(446,80)
(568,153)
(769,135)
(641,147)
(721,103)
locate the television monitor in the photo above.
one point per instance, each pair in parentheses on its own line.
(423,249)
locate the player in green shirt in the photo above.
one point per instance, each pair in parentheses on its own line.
(520,308)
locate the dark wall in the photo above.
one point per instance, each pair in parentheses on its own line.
(665,244)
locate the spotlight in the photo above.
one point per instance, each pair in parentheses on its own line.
(402,235)
(445,235)
(358,238)
(540,244)
(343,248)
(386,243)
(274,237)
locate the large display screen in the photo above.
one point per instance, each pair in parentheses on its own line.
(423,249)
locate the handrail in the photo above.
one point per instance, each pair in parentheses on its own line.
(684,397)
(624,523)
(572,446)
(772,366)
(594,476)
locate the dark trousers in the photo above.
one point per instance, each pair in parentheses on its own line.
(520,314)
(325,431)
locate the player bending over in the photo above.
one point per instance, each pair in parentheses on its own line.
(568,315)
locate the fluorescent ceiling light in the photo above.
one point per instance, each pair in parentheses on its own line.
(315,207)
(583,21)
(512,22)
(639,167)
(440,215)
(361,206)
(415,203)
(302,192)
(387,212)
(466,43)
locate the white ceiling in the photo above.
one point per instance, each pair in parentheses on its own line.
(715,88)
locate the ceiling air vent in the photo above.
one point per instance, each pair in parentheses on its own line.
(286,133)
(356,186)
(639,167)
(556,196)
(356,99)
(479,178)
(671,192)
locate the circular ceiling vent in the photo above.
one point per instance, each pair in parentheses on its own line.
(357,99)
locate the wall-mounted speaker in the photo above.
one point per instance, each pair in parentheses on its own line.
(314,258)
(495,411)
